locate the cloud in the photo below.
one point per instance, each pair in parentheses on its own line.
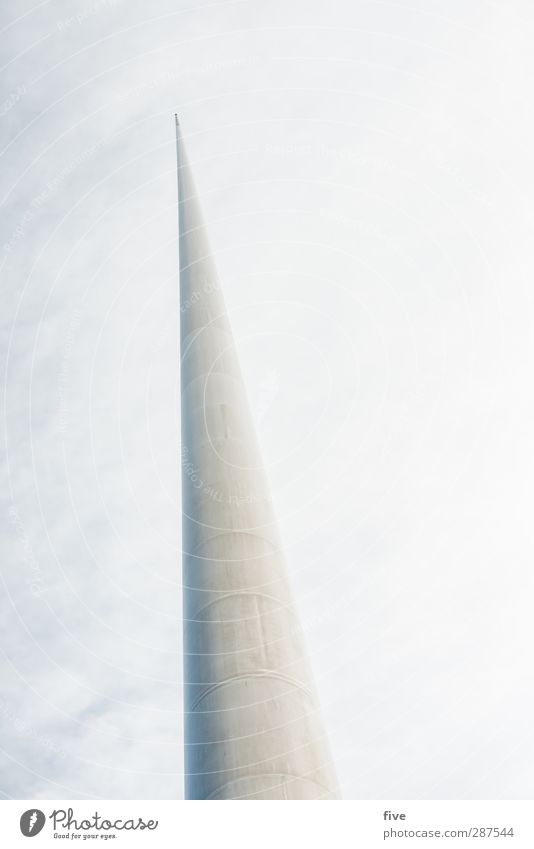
(366,176)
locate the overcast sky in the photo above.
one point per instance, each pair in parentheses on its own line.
(366,172)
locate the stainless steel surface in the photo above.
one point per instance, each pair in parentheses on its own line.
(252,726)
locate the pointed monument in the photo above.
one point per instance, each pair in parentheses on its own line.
(252,725)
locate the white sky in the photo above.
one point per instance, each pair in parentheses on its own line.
(366,171)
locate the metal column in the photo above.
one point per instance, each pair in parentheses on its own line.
(252,726)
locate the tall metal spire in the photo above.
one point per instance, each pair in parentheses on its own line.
(252,727)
